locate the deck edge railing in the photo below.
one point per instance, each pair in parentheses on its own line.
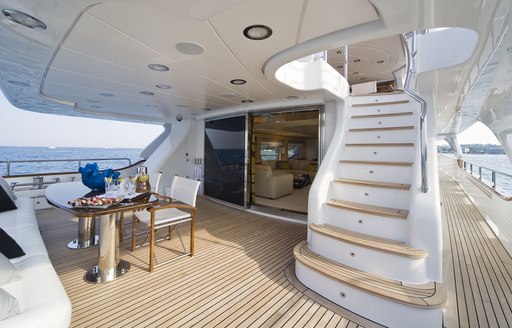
(469,167)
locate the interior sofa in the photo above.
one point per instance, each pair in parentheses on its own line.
(31,293)
(293,166)
(271,185)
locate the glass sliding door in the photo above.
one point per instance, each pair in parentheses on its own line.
(225,159)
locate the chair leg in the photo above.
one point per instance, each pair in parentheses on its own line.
(152,244)
(192,224)
(134,231)
(121,227)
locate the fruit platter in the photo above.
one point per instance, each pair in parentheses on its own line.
(99,202)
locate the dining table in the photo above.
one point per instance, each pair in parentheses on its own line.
(110,266)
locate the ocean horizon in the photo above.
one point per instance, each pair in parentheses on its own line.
(52,154)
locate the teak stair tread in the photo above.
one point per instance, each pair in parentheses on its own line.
(363,240)
(389,93)
(376,163)
(382,115)
(428,295)
(388,128)
(384,144)
(375,184)
(370,209)
(383,103)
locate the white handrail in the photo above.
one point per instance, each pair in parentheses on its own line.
(409,54)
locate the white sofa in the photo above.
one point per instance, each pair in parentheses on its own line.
(42,300)
(293,166)
(271,186)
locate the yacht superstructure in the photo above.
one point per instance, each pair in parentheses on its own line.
(387,79)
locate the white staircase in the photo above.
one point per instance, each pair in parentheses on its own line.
(361,251)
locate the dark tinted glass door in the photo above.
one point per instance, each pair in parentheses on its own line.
(225,153)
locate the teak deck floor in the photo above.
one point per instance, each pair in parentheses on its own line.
(240,275)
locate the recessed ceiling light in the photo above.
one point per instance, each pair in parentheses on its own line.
(380,62)
(190,48)
(163,86)
(23,19)
(158,67)
(247,101)
(509,49)
(292,97)
(357,60)
(339,66)
(355,73)
(207,109)
(229,95)
(257,32)
(363,78)
(146,93)
(18,83)
(106,95)
(238,81)
(339,51)
(93,101)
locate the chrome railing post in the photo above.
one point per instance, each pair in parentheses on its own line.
(8,168)
(493,179)
(480,172)
(410,71)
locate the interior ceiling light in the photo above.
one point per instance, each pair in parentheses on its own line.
(23,19)
(206,109)
(146,93)
(247,101)
(292,97)
(257,32)
(355,73)
(357,60)
(229,95)
(158,67)
(509,49)
(380,62)
(93,101)
(190,48)
(339,66)
(238,81)
(163,86)
(106,95)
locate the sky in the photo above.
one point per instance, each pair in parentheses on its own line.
(478,133)
(25,128)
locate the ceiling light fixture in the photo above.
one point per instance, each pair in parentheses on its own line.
(238,81)
(339,66)
(247,101)
(292,97)
(380,62)
(158,67)
(257,32)
(182,106)
(109,95)
(96,106)
(23,19)
(146,93)
(229,95)
(357,60)
(355,73)
(190,48)
(163,86)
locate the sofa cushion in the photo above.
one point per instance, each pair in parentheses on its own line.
(8,246)
(5,186)
(8,305)
(283,166)
(6,202)
(8,273)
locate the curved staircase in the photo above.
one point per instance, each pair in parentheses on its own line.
(361,252)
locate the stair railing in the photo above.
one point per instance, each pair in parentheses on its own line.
(410,71)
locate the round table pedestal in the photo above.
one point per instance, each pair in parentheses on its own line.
(86,234)
(95,275)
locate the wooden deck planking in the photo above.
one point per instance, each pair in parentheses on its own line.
(236,278)
(479,272)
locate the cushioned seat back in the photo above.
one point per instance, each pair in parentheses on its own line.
(154,180)
(262,171)
(184,190)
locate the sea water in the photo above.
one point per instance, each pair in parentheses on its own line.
(497,162)
(90,155)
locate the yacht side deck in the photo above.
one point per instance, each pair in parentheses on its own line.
(242,275)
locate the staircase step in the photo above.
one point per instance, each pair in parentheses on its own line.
(376,163)
(382,115)
(363,240)
(428,295)
(389,128)
(369,209)
(380,94)
(384,144)
(375,184)
(382,103)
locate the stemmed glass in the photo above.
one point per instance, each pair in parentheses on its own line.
(108,186)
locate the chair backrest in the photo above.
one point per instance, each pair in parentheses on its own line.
(154,180)
(184,190)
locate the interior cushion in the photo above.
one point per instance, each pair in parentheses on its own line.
(5,186)
(8,305)
(6,203)
(8,272)
(8,246)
